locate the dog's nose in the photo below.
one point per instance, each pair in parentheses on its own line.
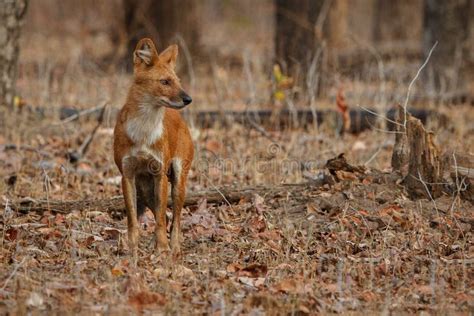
(187,99)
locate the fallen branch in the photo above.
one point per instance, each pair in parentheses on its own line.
(77,155)
(115,205)
(360,120)
(77,115)
(270,120)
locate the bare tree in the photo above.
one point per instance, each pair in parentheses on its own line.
(448,23)
(11,15)
(165,21)
(398,22)
(296,37)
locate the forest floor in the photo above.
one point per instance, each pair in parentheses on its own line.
(358,245)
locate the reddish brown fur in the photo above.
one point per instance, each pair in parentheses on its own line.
(152,142)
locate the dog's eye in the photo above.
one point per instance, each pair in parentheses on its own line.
(165,82)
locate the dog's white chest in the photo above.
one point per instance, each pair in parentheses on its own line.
(147,127)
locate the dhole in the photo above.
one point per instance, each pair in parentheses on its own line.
(152,144)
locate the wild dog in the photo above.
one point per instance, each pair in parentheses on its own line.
(152,144)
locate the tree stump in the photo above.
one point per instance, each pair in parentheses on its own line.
(425,170)
(400,149)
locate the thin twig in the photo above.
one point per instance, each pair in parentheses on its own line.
(318,26)
(15,270)
(28,148)
(75,156)
(428,191)
(218,191)
(405,105)
(81,113)
(379,115)
(373,156)
(383,130)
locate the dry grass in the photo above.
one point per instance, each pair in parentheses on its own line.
(364,247)
(359,246)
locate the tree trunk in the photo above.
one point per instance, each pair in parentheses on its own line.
(317,34)
(297,38)
(448,23)
(165,21)
(398,22)
(11,15)
(115,205)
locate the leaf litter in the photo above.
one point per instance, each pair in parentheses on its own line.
(352,242)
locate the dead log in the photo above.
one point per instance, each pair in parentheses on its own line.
(340,163)
(361,120)
(425,168)
(115,205)
(271,120)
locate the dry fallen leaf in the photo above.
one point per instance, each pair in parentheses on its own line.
(257,224)
(234,267)
(290,286)
(273,235)
(145,298)
(259,203)
(254,282)
(368,296)
(253,271)
(117,271)
(346,175)
(110,233)
(35,300)
(59,219)
(181,271)
(11,234)
(311,208)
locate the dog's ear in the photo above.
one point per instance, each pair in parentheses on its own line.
(145,52)
(169,55)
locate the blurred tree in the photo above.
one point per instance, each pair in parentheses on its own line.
(11,15)
(398,21)
(297,35)
(299,42)
(165,21)
(448,22)
(314,35)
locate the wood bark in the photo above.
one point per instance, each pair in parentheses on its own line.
(425,168)
(115,205)
(400,148)
(11,16)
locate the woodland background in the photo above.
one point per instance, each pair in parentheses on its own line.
(276,220)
